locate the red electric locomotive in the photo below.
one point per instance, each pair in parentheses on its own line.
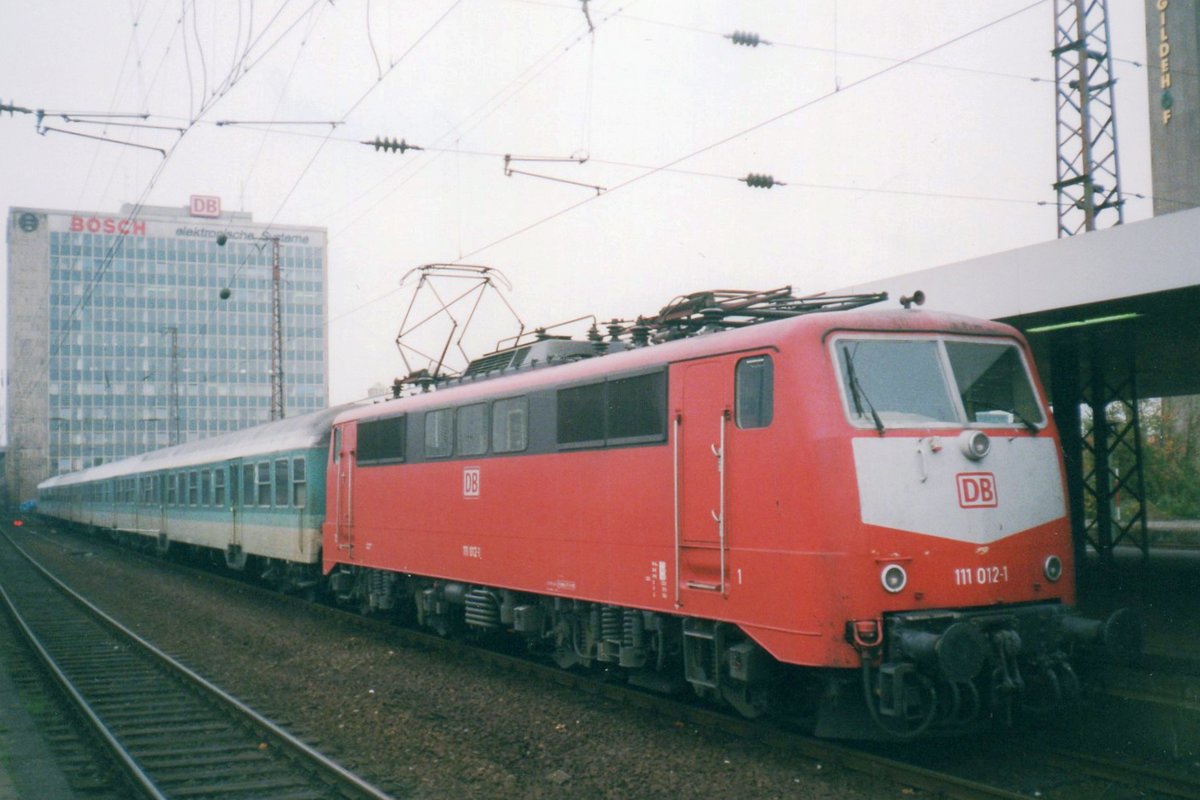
(854,516)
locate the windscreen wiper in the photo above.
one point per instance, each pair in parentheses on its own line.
(857,395)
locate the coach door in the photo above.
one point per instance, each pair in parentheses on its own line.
(236,501)
(343,496)
(701,420)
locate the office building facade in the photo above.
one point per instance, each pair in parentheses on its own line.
(133,331)
(1173,53)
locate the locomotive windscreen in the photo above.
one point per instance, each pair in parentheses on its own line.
(902,382)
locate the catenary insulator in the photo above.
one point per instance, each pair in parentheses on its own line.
(758,181)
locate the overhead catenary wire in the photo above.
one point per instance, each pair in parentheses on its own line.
(755,127)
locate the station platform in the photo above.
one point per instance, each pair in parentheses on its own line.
(1164,588)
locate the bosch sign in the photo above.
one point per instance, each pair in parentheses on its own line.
(125,227)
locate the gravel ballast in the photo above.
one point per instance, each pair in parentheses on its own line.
(424,723)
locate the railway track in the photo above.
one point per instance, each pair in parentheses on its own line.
(175,734)
(993,769)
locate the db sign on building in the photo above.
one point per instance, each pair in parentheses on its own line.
(203,205)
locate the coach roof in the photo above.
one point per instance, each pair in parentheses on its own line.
(292,433)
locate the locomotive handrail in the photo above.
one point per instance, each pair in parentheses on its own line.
(721,500)
(675,455)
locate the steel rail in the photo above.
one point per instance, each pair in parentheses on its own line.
(331,771)
(829,752)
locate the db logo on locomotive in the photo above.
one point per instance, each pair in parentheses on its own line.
(977,490)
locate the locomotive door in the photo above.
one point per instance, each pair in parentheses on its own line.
(343,497)
(701,424)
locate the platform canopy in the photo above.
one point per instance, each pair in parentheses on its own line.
(1132,288)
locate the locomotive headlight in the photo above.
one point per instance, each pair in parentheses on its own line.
(893,578)
(975,444)
(1052,568)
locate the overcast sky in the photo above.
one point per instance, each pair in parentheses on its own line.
(910,134)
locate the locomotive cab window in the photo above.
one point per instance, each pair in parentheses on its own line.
(993,384)
(915,382)
(754,386)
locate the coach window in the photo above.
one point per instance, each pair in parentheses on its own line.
(219,487)
(439,433)
(206,487)
(264,484)
(754,388)
(193,488)
(299,484)
(248,485)
(509,421)
(472,430)
(281,483)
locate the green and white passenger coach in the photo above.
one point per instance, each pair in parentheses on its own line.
(254,497)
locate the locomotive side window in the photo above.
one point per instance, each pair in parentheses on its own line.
(381,441)
(509,425)
(281,483)
(992,383)
(628,410)
(636,408)
(439,433)
(754,385)
(581,415)
(472,430)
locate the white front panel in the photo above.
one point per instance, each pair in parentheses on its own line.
(929,486)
